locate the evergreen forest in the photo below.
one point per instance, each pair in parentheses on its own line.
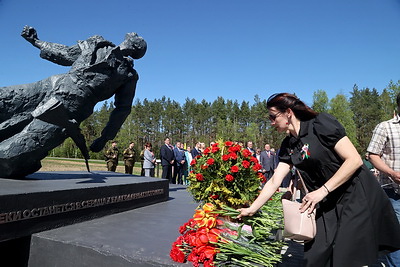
(227,119)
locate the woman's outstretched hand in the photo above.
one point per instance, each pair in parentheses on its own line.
(245,212)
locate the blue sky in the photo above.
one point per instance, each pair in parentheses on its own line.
(210,48)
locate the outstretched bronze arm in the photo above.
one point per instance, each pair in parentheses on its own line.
(56,53)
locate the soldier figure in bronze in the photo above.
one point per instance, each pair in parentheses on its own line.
(37,117)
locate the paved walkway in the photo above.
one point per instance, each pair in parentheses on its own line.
(292,254)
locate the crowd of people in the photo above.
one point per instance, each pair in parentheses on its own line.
(175,159)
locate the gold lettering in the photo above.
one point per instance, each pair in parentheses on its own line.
(26,214)
(67,207)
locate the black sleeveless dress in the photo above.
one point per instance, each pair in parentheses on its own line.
(355,221)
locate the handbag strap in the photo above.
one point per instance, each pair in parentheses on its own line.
(295,188)
(302,181)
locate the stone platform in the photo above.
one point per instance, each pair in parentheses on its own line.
(46,200)
(139,237)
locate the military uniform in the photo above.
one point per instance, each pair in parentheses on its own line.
(129,159)
(112,158)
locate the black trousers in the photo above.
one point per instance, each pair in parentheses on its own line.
(167,173)
(178,172)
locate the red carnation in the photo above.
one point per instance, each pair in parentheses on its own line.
(210,161)
(228,143)
(257,167)
(233,156)
(254,159)
(214,196)
(207,151)
(234,148)
(245,164)
(261,177)
(234,168)
(225,157)
(177,255)
(246,153)
(214,149)
(204,166)
(193,162)
(199,177)
(229,178)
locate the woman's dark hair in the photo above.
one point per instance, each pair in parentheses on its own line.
(148,144)
(283,101)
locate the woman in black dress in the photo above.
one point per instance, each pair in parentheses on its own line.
(355,219)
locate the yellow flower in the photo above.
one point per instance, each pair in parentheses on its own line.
(199,215)
(208,222)
(208,207)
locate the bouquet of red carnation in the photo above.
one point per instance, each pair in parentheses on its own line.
(199,238)
(225,174)
(209,239)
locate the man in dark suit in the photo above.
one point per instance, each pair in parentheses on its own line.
(180,161)
(167,159)
(196,150)
(267,161)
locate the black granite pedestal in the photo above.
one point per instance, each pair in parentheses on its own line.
(48,200)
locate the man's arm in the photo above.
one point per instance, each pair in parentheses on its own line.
(123,105)
(379,164)
(375,149)
(56,53)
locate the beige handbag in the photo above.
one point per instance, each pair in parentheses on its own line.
(298,226)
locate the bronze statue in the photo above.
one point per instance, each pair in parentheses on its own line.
(37,117)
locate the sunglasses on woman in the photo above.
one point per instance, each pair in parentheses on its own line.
(272,117)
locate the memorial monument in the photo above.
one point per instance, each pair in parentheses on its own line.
(37,117)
